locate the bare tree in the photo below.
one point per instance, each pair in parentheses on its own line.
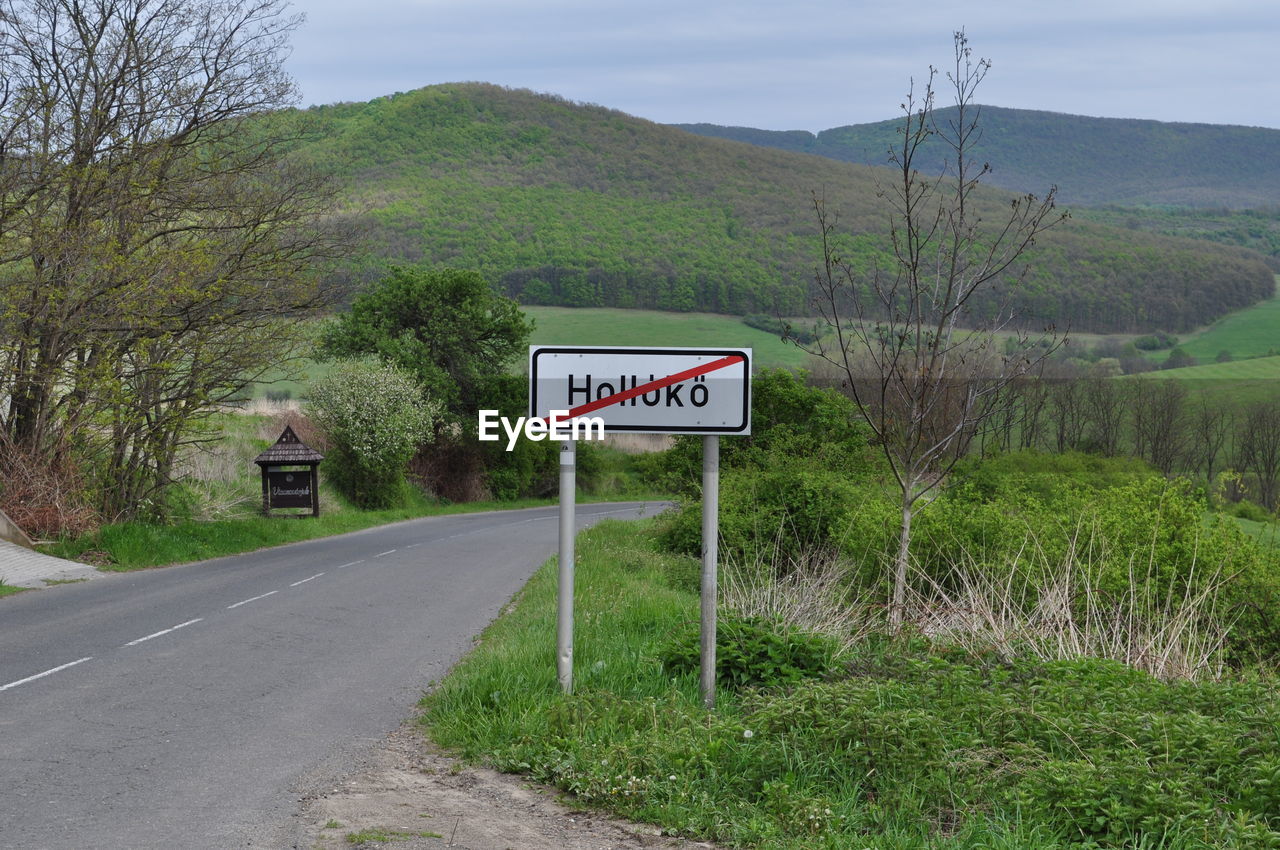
(1258,449)
(1104,403)
(1210,427)
(153,236)
(1166,423)
(923,364)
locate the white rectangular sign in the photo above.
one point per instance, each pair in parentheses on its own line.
(658,390)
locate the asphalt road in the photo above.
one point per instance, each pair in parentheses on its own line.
(189,707)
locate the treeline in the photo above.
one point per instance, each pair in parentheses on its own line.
(558,203)
(1092,160)
(1257,229)
(1233,446)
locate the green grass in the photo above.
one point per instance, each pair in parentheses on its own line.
(1267,533)
(137,545)
(9,590)
(907,746)
(1235,383)
(607,326)
(1257,369)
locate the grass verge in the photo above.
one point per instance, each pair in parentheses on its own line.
(9,590)
(904,745)
(137,545)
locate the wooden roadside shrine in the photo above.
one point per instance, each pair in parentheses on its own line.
(289,477)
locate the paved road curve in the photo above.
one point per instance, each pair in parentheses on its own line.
(189,707)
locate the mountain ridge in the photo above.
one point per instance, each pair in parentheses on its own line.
(1096,161)
(580,205)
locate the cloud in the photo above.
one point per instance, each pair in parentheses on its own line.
(810,64)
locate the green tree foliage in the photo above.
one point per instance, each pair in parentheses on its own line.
(458,339)
(447,328)
(373,416)
(1112,519)
(156,247)
(1178,359)
(564,204)
(794,485)
(1096,161)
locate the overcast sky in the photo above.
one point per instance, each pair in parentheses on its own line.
(805,64)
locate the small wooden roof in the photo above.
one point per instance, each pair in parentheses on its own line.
(287,450)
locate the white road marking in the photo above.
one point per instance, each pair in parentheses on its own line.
(352,564)
(45,673)
(164,631)
(413,545)
(380,554)
(254,599)
(305,580)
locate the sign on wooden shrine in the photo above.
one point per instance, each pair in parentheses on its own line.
(289,477)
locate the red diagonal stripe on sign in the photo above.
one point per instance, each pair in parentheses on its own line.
(626,395)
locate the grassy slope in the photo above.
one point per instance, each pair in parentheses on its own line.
(1247,333)
(601,209)
(602,326)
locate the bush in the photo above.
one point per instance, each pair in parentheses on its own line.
(753,652)
(1142,535)
(1157,341)
(1245,509)
(373,417)
(1178,359)
(786,330)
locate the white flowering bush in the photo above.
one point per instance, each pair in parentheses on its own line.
(374,416)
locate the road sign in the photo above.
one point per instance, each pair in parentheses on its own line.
(656,390)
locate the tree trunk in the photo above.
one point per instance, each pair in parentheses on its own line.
(900,565)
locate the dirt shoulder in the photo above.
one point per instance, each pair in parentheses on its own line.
(412,797)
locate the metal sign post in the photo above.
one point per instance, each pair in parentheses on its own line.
(710,547)
(564,613)
(703,391)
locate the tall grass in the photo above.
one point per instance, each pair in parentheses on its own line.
(911,744)
(1029,606)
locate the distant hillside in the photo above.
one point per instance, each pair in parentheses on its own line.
(1092,161)
(565,204)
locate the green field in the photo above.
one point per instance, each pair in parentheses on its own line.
(1239,382)
(1248,333)
(608,326)
(1257,369)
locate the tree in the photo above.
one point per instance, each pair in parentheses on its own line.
(1258,449)
(446,327)
(156,245)
(921,361)
(1211,426)
(458,339)
(373,416)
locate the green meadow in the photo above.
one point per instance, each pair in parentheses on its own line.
(608,326)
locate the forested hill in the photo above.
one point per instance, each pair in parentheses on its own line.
(561,203)
(1094,161)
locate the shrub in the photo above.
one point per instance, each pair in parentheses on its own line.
(753,652)
(784,329)
(1157,341)
(1245,509)
(1178,359)
(373,417)
(1146,536)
